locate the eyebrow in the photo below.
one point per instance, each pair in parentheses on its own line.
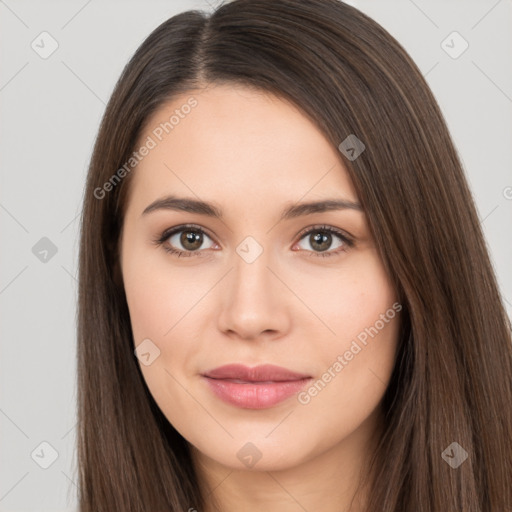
(211,210)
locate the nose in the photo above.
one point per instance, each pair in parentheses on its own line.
(254,302)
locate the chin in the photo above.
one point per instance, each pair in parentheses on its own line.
(257,455)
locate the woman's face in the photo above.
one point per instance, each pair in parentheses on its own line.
(255,286)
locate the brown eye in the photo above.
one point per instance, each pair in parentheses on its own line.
(185,240)
(191,240)
(321,239)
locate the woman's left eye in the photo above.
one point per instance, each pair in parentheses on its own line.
(191,239)
(321,236)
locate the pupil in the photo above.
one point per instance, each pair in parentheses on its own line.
(318,238)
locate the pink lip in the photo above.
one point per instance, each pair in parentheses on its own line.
(254,388)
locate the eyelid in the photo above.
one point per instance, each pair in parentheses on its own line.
(182,227)
(346,237)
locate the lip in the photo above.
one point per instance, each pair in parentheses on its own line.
(258,387)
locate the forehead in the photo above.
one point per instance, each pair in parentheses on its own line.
(234,144)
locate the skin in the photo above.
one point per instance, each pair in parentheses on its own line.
(252,154)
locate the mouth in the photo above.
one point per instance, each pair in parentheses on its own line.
(259,387)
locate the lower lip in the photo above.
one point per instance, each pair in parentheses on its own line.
(257,395)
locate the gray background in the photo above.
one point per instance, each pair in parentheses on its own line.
(50,112)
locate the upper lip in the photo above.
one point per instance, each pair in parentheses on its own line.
(261,373)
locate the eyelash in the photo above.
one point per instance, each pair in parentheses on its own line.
(322,228)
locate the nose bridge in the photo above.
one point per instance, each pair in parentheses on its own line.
(251,302)
(251,275)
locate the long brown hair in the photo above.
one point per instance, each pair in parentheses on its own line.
(452,381)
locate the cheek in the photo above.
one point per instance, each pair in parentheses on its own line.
(163,302)
(158,295)
(352,299)
(353,382)
(356,358)
(159,299)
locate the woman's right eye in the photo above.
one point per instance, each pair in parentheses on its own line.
(190,238)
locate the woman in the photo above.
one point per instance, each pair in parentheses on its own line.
(286,300)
